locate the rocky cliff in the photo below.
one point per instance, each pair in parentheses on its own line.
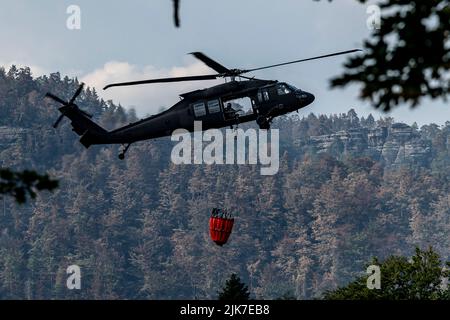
(398,144)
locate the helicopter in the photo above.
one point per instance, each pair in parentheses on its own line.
(213,106)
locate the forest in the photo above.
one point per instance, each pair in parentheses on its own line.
(349,189)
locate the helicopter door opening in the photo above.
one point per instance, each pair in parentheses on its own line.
(237,108)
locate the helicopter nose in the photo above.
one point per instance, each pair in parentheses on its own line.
(305,97)
(311,98)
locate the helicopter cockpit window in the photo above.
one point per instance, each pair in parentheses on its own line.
(199,109)
(266,95)
(283,89)
(213,106)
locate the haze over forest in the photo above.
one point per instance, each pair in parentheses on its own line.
(349,188)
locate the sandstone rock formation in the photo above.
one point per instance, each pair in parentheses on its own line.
(396,145)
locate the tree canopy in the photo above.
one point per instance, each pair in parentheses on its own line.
(349,188)
(407,58)
(234,289)
(418,278)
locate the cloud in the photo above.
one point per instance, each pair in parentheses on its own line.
(146,99)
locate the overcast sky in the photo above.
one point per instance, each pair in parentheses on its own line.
(134,40)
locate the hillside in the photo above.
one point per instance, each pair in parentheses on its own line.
(348,188)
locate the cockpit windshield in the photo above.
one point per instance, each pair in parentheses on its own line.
(283,88)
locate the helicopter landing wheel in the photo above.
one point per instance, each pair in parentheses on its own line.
(263,123)
(122,154)
(265,126)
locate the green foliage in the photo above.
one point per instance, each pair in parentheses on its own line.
(23,184)
(407,59)
(234,290)
(418,278)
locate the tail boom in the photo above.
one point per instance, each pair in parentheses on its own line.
(90,132)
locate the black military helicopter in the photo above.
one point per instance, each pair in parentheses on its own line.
(212,106)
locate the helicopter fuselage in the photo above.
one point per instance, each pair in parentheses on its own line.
(215,107)
(268,98)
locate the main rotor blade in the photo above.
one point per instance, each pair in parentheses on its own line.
(210,62)
(303,60)
(57,99)
(77,93)
(164,80)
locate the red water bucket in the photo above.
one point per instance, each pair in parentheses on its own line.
(220,228)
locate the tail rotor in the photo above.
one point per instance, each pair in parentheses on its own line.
(67,105)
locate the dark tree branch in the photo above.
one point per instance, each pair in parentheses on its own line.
(407,59)
(176,12)
(22,184)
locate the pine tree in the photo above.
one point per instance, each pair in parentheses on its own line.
(234,289)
